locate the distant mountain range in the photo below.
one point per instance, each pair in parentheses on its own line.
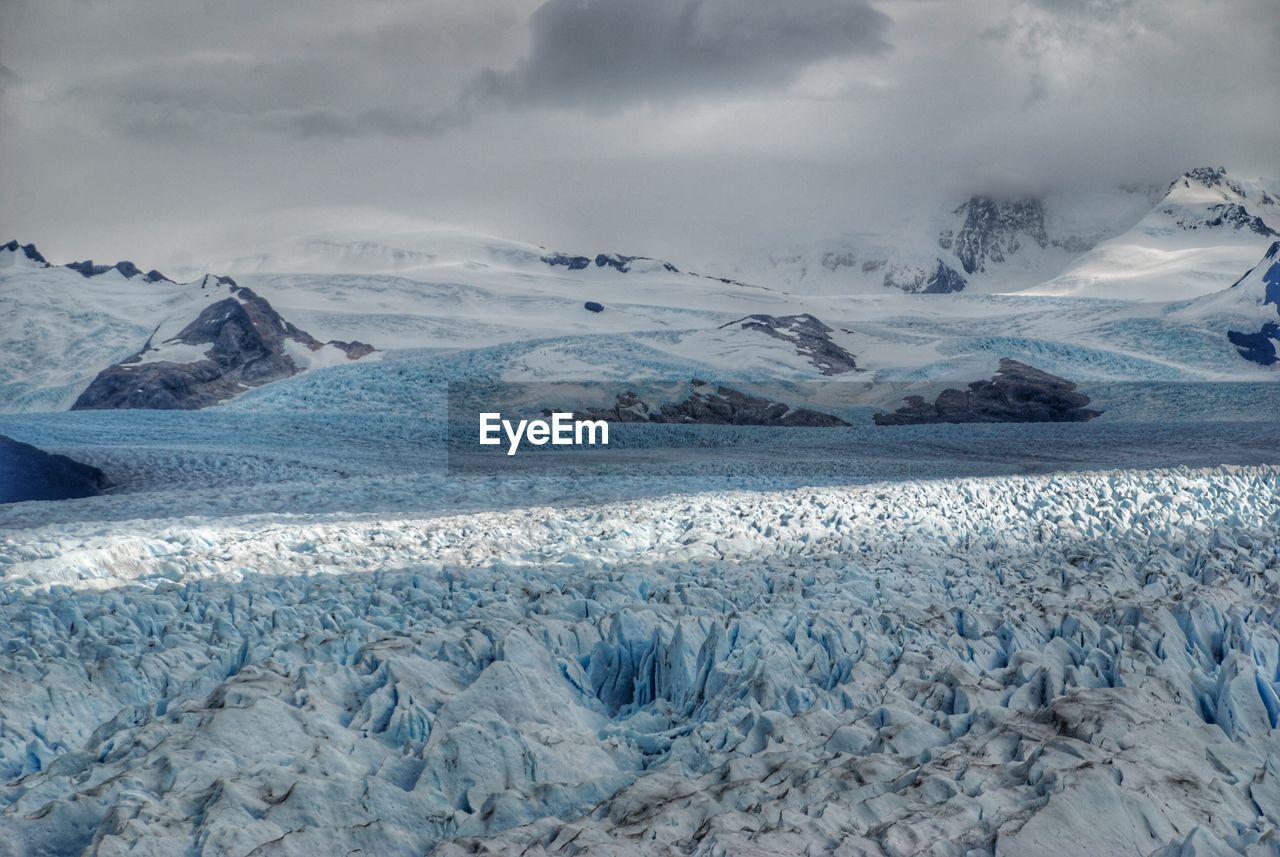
(1183,296)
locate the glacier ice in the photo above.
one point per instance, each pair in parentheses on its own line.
(1080,663)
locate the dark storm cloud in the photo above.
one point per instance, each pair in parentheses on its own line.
(606,54)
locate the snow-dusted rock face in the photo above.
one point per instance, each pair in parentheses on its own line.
(712,404)
(29,473)
(1225,207)
(993,231)
(1018,393)
(988,243)
(1071,664)
(811,338)
(234,344)
(15,255)
(941,279)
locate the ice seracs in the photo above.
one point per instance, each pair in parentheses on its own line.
(1077,664)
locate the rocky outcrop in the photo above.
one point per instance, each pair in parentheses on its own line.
(30,473)
(939,280)
(1258,347)
(992,231)
(1213,177)
(1232,212)
(620,263)
(811,338)
(710,404)
(1017,394)
(247,347)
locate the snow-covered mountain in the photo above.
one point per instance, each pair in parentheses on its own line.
(986,243)
(65,325)
(15,255)
(1208,228)
(568,315)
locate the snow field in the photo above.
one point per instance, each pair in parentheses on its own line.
(1085,662)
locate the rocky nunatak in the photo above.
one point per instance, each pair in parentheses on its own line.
(30,473)
(1017,394)
(810,337)
(711,404)
(247,342)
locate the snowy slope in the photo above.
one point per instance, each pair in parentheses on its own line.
(62,329)
(987,244)
(1208,229)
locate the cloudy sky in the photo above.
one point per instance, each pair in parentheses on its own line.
(143,128)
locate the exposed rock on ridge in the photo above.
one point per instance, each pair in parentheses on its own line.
(247,347)
(811,338)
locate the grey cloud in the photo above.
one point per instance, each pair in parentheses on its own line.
(605,54)
(655,126)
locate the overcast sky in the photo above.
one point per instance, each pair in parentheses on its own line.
(141,128)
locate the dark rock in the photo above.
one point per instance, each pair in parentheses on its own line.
(28,250)
(617,261)
(573,263)
(1225,214)
(1259,347)
(246,339)
(1017,394)
(709,404)
(29,473)
(593,306)
(128,269)
(811,338)
(87,268)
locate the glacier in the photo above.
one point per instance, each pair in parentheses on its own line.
(976,666)
(291,626)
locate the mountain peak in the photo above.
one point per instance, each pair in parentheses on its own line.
(23,253)
(127,269)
